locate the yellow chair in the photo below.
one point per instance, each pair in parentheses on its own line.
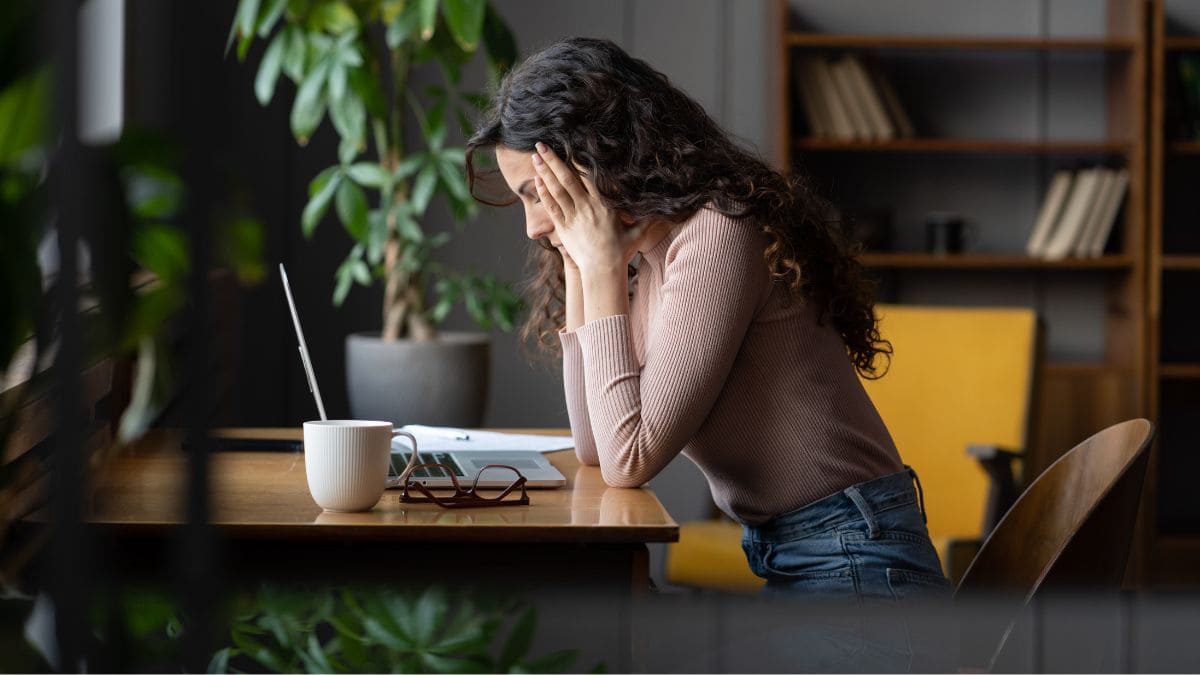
(960,377)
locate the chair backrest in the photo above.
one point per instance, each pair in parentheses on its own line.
(1070,530)
(958,376)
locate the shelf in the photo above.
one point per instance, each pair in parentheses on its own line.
(965,145)
(1182,43)
(992,262)
(1179,371)
(852,41)
(1184,147)
(1181,262)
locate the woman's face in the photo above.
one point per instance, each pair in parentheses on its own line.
(518,172)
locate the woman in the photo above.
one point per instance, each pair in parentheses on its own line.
(738,341)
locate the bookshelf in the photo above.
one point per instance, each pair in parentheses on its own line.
(994,117)
(1170,526)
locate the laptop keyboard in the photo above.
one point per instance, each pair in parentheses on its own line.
(434,472)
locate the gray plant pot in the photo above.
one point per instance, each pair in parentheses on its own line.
(441,382)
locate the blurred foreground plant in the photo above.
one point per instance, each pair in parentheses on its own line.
(355,631)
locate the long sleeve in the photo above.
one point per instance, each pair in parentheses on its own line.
(714,281)
(577,410)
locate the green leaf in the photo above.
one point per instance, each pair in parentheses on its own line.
(268,70)
(152,192)
(378,632)
(499,43)
(521,637)
(362,273)
(369,91)
(352,209)
(295,52)
(243,24)
(479,101)
(455,155)
(242,244)
(442,664)
(465,19)
(337,82)
(409,165)
(322,179)
(454,180)
(465,125)
(349,117)
(317,656)
(369,174)
(423,188)
(377,236)
(556,662)
(429,614)
(163,250)
(476,310)
(309,106)
(24,110)
(332,17)
(403,24)
(406,225)
(220,661)
(347,150)
(345,279)
(270,14)
(441,310)
(428,17)
(322,189)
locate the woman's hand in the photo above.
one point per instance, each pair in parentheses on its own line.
(592,235)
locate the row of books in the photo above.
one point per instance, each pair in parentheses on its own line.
(1078,213)
(845,99)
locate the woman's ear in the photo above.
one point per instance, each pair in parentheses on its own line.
(626,218)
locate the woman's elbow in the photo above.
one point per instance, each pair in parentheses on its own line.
(620,478)
(586,458)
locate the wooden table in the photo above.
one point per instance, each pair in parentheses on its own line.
(573,548)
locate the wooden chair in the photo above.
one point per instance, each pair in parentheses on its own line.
(961,378)
(1070,532)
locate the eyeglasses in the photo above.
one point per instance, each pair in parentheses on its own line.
(507,478)
(466,497)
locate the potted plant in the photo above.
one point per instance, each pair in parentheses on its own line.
(353,61)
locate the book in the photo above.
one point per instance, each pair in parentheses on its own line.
(895,109)
(1109,210)
(1092,224)
(873,104)
(839,118)
(808,91)
(1049,213)
(1076,212)
(856,108)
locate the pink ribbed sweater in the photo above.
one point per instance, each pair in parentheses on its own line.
(712,362)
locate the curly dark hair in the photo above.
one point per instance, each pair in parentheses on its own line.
(654,153)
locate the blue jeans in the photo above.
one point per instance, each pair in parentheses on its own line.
(864,557)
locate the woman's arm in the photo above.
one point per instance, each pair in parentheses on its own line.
(574,387)
(641,417)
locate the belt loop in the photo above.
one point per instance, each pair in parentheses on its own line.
(920,493)
(867,514)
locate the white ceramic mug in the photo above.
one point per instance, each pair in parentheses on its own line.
(347,462)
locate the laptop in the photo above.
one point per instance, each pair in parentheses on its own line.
(465,464)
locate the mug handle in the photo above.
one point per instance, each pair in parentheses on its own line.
(396,481)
